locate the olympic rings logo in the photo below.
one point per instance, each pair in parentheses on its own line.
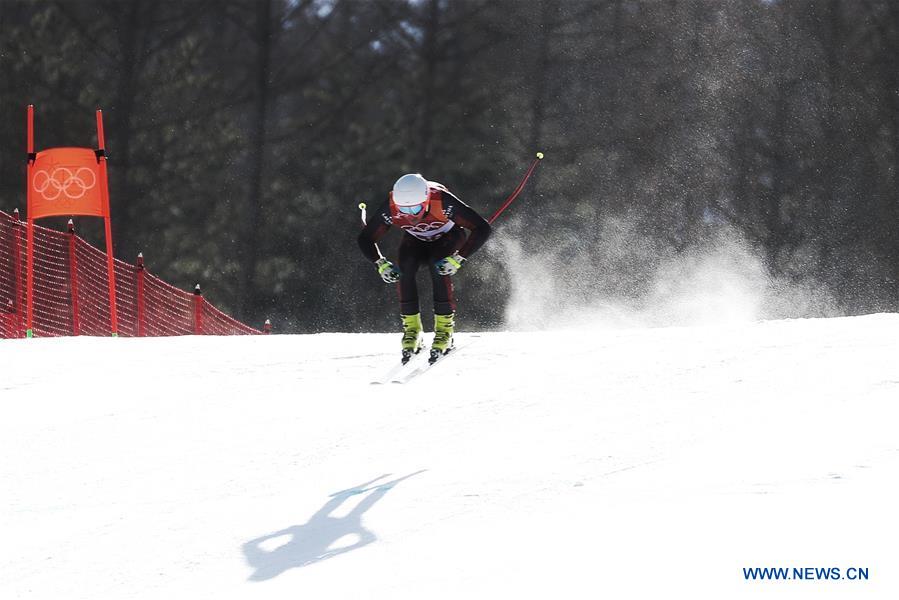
(424,227)
(73,184)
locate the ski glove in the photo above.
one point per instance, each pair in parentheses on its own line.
(450,264)
(387,270)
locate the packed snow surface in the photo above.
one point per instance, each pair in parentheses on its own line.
(629,463)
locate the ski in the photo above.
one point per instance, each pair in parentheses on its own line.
(390,374)
(405,377)
(412,366)
(426,365)
(398,371)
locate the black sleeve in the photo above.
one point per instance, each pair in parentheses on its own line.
(466,217)
(378,224)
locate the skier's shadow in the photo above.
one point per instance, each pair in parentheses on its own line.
(314,541)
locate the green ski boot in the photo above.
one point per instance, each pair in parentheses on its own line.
(443,336)
(411,336)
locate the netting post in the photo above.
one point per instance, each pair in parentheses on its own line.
(73,279)
(104,190)
(17,265)
(10,317)
(267,328)
(29,260)
(198,310)
(141,314)
(29,280)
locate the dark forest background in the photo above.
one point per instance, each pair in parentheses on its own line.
(242,134)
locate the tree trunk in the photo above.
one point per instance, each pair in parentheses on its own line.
(833,148)
(249,241)
(539,75)
(121,116)
(429,64)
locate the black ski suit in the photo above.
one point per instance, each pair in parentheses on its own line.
(437,235)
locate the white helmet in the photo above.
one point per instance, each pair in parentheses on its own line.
(411,191)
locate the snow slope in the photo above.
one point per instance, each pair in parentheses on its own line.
(635,463)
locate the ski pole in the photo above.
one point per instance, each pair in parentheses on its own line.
(364,223)
(517,191)
(362,208)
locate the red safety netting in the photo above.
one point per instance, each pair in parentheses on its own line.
(71,293)
(12,290)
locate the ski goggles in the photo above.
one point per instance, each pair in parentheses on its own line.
(411,210)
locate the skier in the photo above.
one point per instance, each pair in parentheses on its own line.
(433,220)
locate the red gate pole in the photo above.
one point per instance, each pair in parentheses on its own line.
(104,190)
(198,310)
(73,280)
(17,265)
(141,314)
(29,283)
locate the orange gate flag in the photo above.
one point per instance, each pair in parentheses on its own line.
(66,181)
